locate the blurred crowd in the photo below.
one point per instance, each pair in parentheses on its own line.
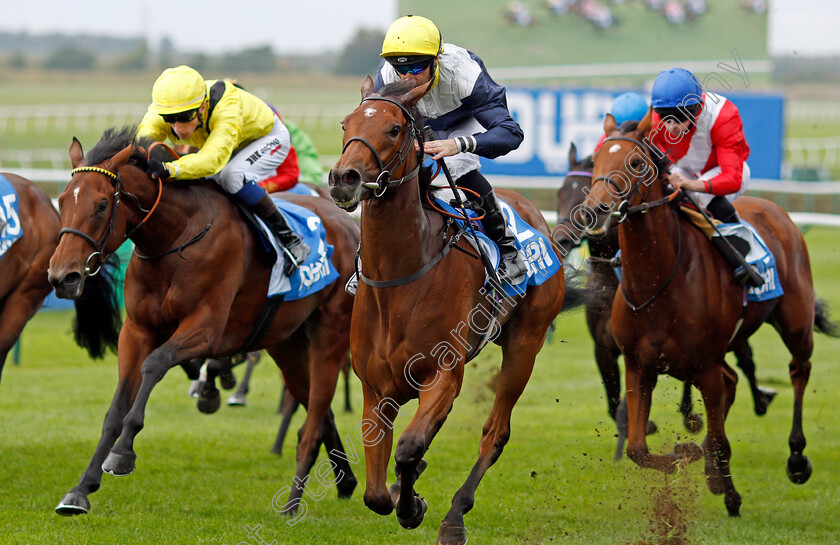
(600,15)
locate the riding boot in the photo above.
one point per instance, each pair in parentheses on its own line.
(295,248)
(734,254)
(512,268)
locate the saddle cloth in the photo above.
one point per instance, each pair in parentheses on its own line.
(535,247)
(317,272)
(758,256)
(10,227)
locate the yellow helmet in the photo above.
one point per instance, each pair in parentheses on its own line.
(176,90)
(412,36)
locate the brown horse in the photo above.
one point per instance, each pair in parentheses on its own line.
(195,287)
(23,270)
(420,311)
(678,310)
(603,284)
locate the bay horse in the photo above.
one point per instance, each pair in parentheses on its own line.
(418,313)
(602,284)
(678,310)
(195,287)
(23,275)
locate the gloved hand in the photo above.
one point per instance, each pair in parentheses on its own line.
(157,170)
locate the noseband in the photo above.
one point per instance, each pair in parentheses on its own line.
(383,181)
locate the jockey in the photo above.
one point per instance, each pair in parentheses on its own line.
(626,107)
(468,113)
(238,137)
(702,135)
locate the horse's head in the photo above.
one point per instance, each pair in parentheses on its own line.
(626,168)
(570,197)
(378,149)
(92,226)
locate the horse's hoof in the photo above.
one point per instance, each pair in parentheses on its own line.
(413,522)
(347,486)
(237,400)
(209,401)
(451,535)
(765,396)
(688,452)
(733,504)
(119,465)
(651,428)
(693,423)
(73,503)
(799,469)
(227,380)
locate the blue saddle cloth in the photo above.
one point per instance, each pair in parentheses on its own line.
(317,272)
(542,262)
(10,228)
(759,256)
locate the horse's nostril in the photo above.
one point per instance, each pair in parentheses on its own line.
(71,279)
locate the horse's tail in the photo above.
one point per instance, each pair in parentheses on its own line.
(577,294)
(96,327)
(822,321)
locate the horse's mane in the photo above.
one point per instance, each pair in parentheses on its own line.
(114,140)
(586,164)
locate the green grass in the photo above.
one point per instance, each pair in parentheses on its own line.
(201,479)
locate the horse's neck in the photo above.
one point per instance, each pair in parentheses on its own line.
(649,245)
(396,234)
(167,223)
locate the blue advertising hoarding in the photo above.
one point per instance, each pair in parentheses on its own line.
(553,118)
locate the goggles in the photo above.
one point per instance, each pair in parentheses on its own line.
(414,69)
(180,117)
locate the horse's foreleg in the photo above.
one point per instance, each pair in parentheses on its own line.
(640,383)
(186,343)
(376,431)
(518,358)
(692,421)
(238,397)
(798,465)
(717,384)
(133,348)
(345,481)
(434,405)
(288,407)
(17,309)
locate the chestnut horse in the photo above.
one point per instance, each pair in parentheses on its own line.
(23,275)
(195,287)
(410,336)
(602,285)
(678,309)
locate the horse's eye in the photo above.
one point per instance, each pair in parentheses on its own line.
(102,207)
(342,125)
(395,131)
(636,164)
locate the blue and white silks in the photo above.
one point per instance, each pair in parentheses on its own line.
(10,228)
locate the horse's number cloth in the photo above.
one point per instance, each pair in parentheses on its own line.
(759,256)
(317,272)
(542,262)
(10,227)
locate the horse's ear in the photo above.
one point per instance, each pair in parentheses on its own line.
(609,124)
(410,98)
(643,128)
(77,156)
(120,158)
(572,155)
(367,87)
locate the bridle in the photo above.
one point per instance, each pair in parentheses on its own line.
(625,210)
(383,180)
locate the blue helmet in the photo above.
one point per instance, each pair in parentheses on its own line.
(629,107)
(674,88)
